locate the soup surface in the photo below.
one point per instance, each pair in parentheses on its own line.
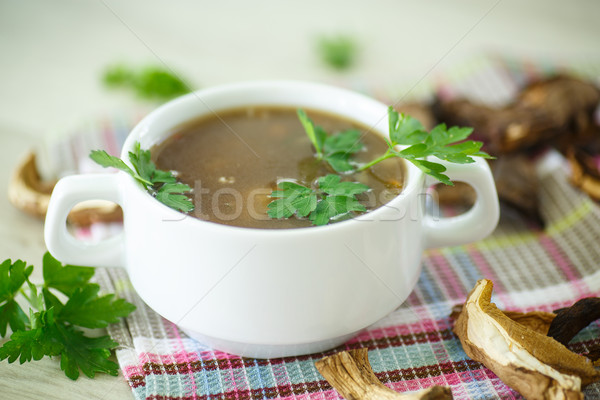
(234,160)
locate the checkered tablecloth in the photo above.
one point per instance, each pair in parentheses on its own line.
(413,347)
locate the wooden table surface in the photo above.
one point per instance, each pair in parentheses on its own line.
(52,55)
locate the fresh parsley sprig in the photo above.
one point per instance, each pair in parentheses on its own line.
(332,199)
(441,142)
(161,184)
(336,149)
(53,327)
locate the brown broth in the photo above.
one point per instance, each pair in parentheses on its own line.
(234,160)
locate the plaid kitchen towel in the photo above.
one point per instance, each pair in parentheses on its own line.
(414,347)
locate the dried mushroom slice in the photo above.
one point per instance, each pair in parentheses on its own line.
(584,159)
(569,321)
(538,321)
(528,361)
(569,102)
(350,373)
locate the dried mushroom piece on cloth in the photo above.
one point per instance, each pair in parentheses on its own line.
(533,364)
(350,373)
(569,321)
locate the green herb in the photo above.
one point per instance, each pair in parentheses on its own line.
(334,149)
(332,199)
(339,52)
(12,278)
(151,82)
(441,142)
(161,184)
(53,327)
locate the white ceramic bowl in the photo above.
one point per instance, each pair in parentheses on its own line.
(268,293)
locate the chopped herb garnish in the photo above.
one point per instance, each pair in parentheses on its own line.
(53,327)
(161,184)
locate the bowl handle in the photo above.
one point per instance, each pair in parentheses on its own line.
(476,223)
(61,244)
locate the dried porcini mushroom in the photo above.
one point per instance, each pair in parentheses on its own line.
(517,185)
(584,159)
(350,373)
(543,110)
(538,321)
(461,195)
(569,321)
(516,182)
(556,111)
(567,101)
(533,364)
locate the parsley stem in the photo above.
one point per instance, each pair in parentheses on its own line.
(143,181)
(385,156)
(309,128)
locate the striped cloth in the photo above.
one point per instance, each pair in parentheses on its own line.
(414,347)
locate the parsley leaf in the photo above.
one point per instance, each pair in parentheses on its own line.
(333,207)
(65,279)
(171,194)
(292,199)
(145,167)
(85,308)
(339,148)
(104,159)
(12,315)
(90,355)
(54,329)
(34,343)
(331,184)
(331,200)
(404,129)
(434,169)
(153,83)
(12,277)
(334,149)
(50,337)
(161,184)
(339,52)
